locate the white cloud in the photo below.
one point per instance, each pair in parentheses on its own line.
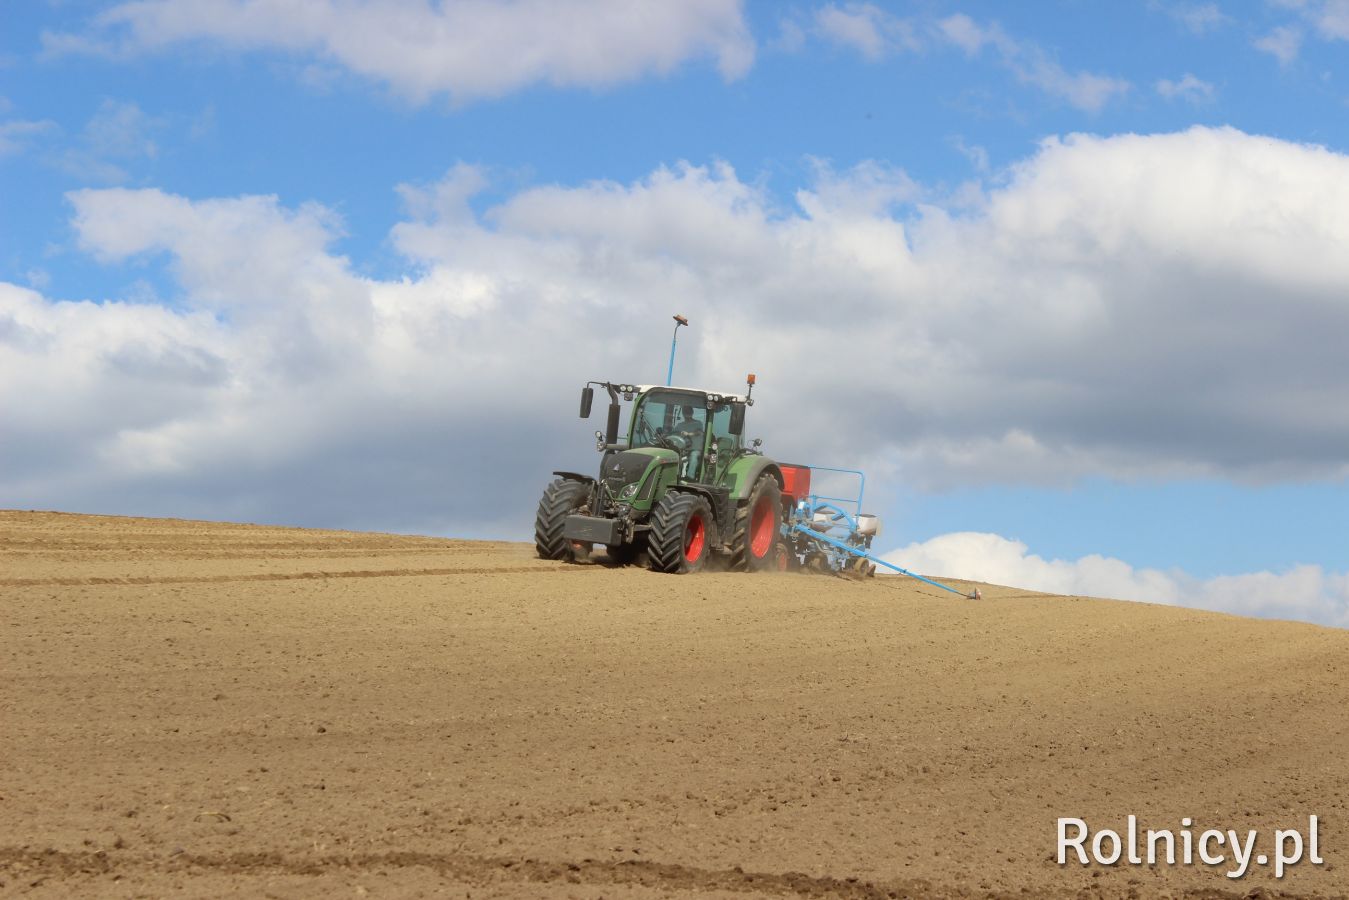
(1188,87)
(1199,18)
(118,134)
(977,155)
(121,130)
(1326,19)
(994,559)
(1329,18)
(1031,64)
(790,39)
(17,134)
(876,34)
(249,260)
(1124,307)
(101,374)
(866,28)
(1283,43)
(1332,21)
(470,50)
(967,34)
(1303,592)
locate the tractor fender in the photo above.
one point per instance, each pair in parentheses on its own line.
(575,476)
(721,510)
(744,471)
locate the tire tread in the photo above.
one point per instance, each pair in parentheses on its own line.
(740,555)
(665,544)
(560,498)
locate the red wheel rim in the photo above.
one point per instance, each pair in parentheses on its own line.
(761,530)
(695,536)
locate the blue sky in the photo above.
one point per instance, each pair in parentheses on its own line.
(1066,343)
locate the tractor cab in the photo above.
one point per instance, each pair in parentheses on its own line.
(695,425)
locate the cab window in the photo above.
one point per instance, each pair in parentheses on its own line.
(665,413)
(721,430)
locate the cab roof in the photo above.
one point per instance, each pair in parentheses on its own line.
(643,388)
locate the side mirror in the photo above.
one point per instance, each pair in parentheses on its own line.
(737,418)
(587,398)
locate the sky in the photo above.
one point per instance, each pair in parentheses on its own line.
(1069,280)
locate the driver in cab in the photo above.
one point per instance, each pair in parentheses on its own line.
(688,425)
(687,438)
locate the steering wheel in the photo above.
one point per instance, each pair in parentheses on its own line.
(655,437)
(644,432)
(677,441)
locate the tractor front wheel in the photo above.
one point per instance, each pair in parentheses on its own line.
(562,498)
(757,523)
(683,533)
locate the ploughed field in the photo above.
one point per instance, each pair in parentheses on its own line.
(198,709)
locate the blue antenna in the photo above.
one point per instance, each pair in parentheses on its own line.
(669,376)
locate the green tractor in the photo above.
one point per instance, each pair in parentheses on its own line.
(683,489)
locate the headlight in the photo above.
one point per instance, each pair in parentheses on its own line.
(628,491)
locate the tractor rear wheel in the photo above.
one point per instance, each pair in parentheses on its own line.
(757,523)
(562,498)
(683,533)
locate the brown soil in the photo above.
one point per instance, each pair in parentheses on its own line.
(197,709)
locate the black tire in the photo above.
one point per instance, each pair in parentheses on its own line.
(560,499)
(755,537)
(683,534)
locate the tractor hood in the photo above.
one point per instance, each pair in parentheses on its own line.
(625,467)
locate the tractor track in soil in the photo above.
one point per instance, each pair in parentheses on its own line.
(34,867)
(282,576)
(307,714)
